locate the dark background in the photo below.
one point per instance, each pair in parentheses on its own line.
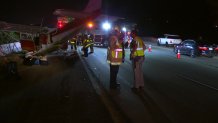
(189,18)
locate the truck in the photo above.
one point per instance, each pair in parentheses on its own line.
(100,38)
(169,40)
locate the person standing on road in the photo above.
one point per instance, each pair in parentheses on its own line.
(86,45)
(137,49)
(73,43)
(115,56)
(91,40)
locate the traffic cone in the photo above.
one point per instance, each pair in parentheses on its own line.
(149,48)
(178,54)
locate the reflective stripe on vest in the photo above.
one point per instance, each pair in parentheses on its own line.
(139,51)
(116,52)
(87,43)
(73,40)
(115,56)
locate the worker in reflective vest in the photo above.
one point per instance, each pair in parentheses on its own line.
(137,49)
(115,57)
(73,43)
(86,45)
(91,40)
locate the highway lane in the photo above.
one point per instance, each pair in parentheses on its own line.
(176,90)
(187,86)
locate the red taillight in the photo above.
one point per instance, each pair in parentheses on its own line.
(60,24)
(216,48)
(203,48)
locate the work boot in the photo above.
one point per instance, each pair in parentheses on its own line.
(115,86)
(117,83)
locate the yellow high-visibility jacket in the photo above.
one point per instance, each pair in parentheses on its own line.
(139,47)
(115,51)
(73,41)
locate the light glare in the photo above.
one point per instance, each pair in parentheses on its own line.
(106,26)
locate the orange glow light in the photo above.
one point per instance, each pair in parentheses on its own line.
(90,24)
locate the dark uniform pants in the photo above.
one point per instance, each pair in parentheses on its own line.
(92,48)
(113,75)
(74,46)
(85,50)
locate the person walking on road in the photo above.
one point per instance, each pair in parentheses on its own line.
(115,56)
(137,48)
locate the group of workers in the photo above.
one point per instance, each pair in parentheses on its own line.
(87,42)
(116,55)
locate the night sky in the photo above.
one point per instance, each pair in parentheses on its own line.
(190,18)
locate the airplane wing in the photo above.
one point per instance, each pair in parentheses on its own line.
(91,12)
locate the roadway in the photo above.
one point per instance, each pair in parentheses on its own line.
(59,92)
(176,90)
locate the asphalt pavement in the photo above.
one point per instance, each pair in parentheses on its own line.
(60,92)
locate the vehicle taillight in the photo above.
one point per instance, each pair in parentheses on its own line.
(60,24)
(203,48)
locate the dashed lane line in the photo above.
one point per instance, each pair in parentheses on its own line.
(198,82)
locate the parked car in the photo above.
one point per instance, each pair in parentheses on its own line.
(215,49)
(169,40)
(193,48)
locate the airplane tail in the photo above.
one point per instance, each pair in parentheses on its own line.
(92,10)
(93,5)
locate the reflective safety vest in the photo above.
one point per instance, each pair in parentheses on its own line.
(73,41)
(91,42)
(115,56)
(87,43)
(139,51)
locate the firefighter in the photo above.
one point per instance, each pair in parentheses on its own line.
(86,45)
(137,49)
(91,41)
(73,43)
(115,56)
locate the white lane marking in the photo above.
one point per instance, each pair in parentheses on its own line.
(195,81)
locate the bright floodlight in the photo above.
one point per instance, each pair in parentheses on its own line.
(106,26)
(124,29)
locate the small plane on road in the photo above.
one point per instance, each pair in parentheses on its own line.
(59,36)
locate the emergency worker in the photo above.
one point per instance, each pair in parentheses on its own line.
(86,45)
(73,43)
(115,56)
(91,41)
(137,48)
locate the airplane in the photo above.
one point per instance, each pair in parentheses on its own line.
(92,7)
(59,36)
